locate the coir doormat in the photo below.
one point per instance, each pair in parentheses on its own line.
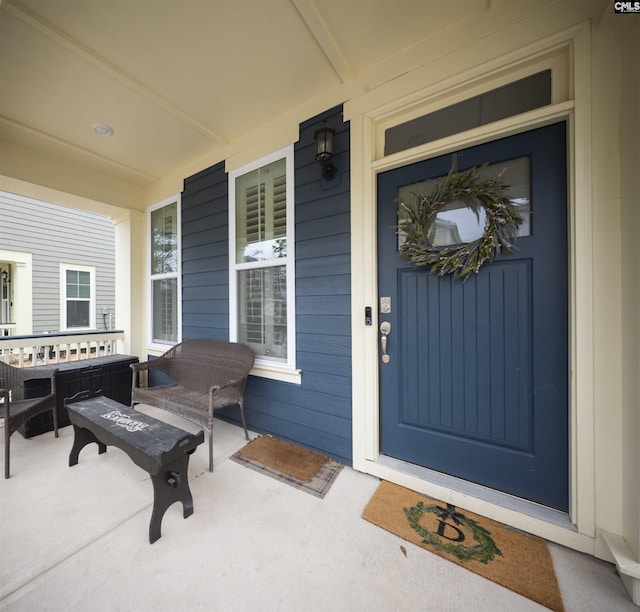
(297,466)
(517,561)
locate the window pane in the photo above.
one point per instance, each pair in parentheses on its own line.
(164,239)
(72,283)
(78,284)
(77,314)
(263,311)
(165,310)
(507,101)
(84,285)
(456,223)
(261,220)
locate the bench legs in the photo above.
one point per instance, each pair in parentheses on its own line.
(244,423)
(170,485)
(211,450)
(210,431)
(82,437)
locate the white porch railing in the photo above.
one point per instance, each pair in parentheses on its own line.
(44,349)
(7,329)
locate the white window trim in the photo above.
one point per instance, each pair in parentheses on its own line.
(263,366)
(161,347)
(21,293)
(63,296)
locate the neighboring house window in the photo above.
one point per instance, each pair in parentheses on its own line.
(164,272)
(78,307)
(261,258)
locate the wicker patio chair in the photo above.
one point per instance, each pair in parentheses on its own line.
(206,375)
(17,410)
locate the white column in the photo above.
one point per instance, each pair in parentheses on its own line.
(131,312)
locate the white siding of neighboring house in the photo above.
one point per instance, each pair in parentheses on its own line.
(53,235)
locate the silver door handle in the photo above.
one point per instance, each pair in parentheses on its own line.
(385,330)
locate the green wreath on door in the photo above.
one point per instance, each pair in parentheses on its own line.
(417,219)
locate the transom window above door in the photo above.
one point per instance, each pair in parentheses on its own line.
(507,101)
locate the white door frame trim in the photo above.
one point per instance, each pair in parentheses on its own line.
(381,106)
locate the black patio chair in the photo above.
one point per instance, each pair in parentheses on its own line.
(17,407)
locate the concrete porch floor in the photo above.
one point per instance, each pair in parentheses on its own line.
(77,539)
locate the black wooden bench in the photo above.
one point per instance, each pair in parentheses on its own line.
(158,448)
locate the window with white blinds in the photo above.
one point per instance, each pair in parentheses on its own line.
(261,263)
(261,213)
(164,272)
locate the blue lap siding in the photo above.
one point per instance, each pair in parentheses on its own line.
(316,413)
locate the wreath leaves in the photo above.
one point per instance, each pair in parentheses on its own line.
(417,224)
(484,551)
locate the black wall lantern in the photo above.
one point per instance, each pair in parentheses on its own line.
(324,150)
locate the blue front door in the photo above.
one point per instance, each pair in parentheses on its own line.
(476,384)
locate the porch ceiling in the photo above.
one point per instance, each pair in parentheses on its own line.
(179,79)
